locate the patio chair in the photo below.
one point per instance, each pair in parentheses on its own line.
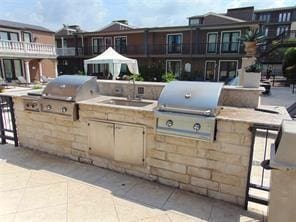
(22,81)
(3,83)
(44,79)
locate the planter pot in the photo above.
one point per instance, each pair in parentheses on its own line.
(251,79)
(250,48)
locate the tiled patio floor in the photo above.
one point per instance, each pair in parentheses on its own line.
(38,187)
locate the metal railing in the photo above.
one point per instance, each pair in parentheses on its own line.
(169,49)
(258,181)
(71,51)
(26,48)
(7,121)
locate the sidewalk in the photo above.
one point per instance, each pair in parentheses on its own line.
(38,187)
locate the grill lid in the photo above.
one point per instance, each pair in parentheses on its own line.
(71,88)
(190,97)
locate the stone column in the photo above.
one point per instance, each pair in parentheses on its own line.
(56,67)
(246,61)
(27,68)
(40,68)
(62,39)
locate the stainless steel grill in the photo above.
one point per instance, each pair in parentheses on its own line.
(189,109)
(61,94)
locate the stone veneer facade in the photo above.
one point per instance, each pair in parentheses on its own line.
(218,169)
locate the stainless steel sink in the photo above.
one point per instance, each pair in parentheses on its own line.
(121,102)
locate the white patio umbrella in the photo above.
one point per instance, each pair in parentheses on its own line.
(114,60)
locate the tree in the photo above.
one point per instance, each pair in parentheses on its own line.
(289,65)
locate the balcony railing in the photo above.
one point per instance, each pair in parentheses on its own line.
(165,49)
(29,49)
(71,51)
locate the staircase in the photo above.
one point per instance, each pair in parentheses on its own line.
(264,50)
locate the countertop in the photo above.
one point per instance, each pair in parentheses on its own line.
(247,115)
(253,116)
(17,91)
(98,102)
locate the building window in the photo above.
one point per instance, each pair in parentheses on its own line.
(284,17)
(264,18)
(9,36)
(174,66)
(194,21)
(27,37)
(281,29)
(1,74)
(280,17)
(174,43)
(120,44)
(264,30)
(98,45)
(210,70)
(288,16)
(212,42)
(108,42)
(12,68)
(227,70)
(230,42)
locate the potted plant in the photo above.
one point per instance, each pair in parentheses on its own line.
(252,76)
(250,39)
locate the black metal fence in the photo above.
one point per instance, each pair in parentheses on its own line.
(258,182)
(7,121)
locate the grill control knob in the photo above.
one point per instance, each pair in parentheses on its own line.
(169,123)
(196,126)
(48,107)
(64,109)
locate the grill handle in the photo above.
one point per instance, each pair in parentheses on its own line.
(69,98)
(198,112)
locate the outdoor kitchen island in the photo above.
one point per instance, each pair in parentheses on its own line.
(123,138)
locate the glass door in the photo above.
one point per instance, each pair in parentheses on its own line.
(174,43)
(230,42)
(27,37)
(108,42)
(8,69)
(12,69)
(98,45)
(210,71)
(212,42)
(174,66)
(120,44)
(228,70)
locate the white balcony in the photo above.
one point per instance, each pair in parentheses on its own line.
(71,51)
(26,49)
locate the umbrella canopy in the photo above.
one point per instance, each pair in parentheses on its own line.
(114,60)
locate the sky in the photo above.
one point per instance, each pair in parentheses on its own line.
(93,14)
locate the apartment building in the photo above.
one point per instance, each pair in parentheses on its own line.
(208,46)
(26,50)
(272,21)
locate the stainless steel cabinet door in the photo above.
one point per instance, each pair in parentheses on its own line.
(129,144)
(101,139)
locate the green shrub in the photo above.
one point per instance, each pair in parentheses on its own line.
(289,64)
(168,77)
(254,68)
(37,87)
(136,77)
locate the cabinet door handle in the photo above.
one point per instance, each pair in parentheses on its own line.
(117,127)
(110,126)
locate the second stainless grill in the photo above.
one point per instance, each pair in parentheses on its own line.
(62,93)
(189,109)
